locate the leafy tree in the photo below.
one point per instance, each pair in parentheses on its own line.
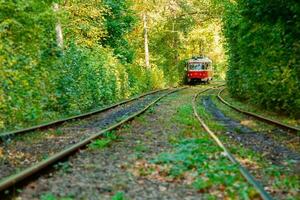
(263,52)
(27,58)
(119,21)
(41,82)
(103,56)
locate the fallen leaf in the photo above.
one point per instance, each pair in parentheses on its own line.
(1,152)
(162,188)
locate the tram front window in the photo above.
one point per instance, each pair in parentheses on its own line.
(197,66)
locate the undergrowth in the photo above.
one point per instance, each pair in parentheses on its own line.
(196,156)
(103,142)
(280,179)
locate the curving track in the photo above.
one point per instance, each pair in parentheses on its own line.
(259,117)
(95,124)
(92,125)
(264,195)
(8,135)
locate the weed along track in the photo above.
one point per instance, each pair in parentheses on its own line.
(232,132)
(9,135)
(28,154)
(277,141)
(262,149)
(163,154)
(259,117)
(264,195)
(260,141)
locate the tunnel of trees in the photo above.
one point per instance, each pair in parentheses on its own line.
(60,58)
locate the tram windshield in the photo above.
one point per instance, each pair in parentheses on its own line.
(199,66)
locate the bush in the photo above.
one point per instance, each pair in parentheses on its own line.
(40,82)
(263,53)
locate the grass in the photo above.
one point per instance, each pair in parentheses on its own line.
(102,143)
(63,166)
(211,171)
(255,125)
(148,133)
(259,110)
(50,196)
(141,148)
(151,110)
(58,131)
(141,119)
(196,160)
(279,179)
(119,196)
(99,143)
(195,156)
(31,136)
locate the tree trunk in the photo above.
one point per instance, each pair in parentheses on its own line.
(175,44)
(201,48)
(58,29)
(146,42)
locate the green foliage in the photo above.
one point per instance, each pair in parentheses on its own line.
(103,55)
(119,21)
(65,167)
(111,135)
(48,196)
(119,196)
(58,131)
(100,143)
(41,82)
(27,58)
(263,50)
(202,158)
(278,177)
(104,142)
(175,31)
(197,158)
(141,148)
(91,79)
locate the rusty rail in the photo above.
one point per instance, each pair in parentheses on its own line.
(264,195)
(14,179)
(259,117)
(81,116)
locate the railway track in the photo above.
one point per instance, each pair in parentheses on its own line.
(259,117)
(136,106)
(27,172)
(10,134)
(264,195)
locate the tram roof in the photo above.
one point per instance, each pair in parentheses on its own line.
(201,59)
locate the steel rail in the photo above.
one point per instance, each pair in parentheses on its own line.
(14,179)
(264,195)
(259,117)
(81,116)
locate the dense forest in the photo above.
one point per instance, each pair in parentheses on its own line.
(263,43)
(100,57)
(60,58)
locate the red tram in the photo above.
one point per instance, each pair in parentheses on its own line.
(199,69)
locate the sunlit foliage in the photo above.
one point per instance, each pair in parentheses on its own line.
(28,58)
(103,59)
(179,30)
(41,82)
(263,48)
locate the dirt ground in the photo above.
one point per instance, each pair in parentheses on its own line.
(29,148)
(100,174)
(139,163)
(257,141)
